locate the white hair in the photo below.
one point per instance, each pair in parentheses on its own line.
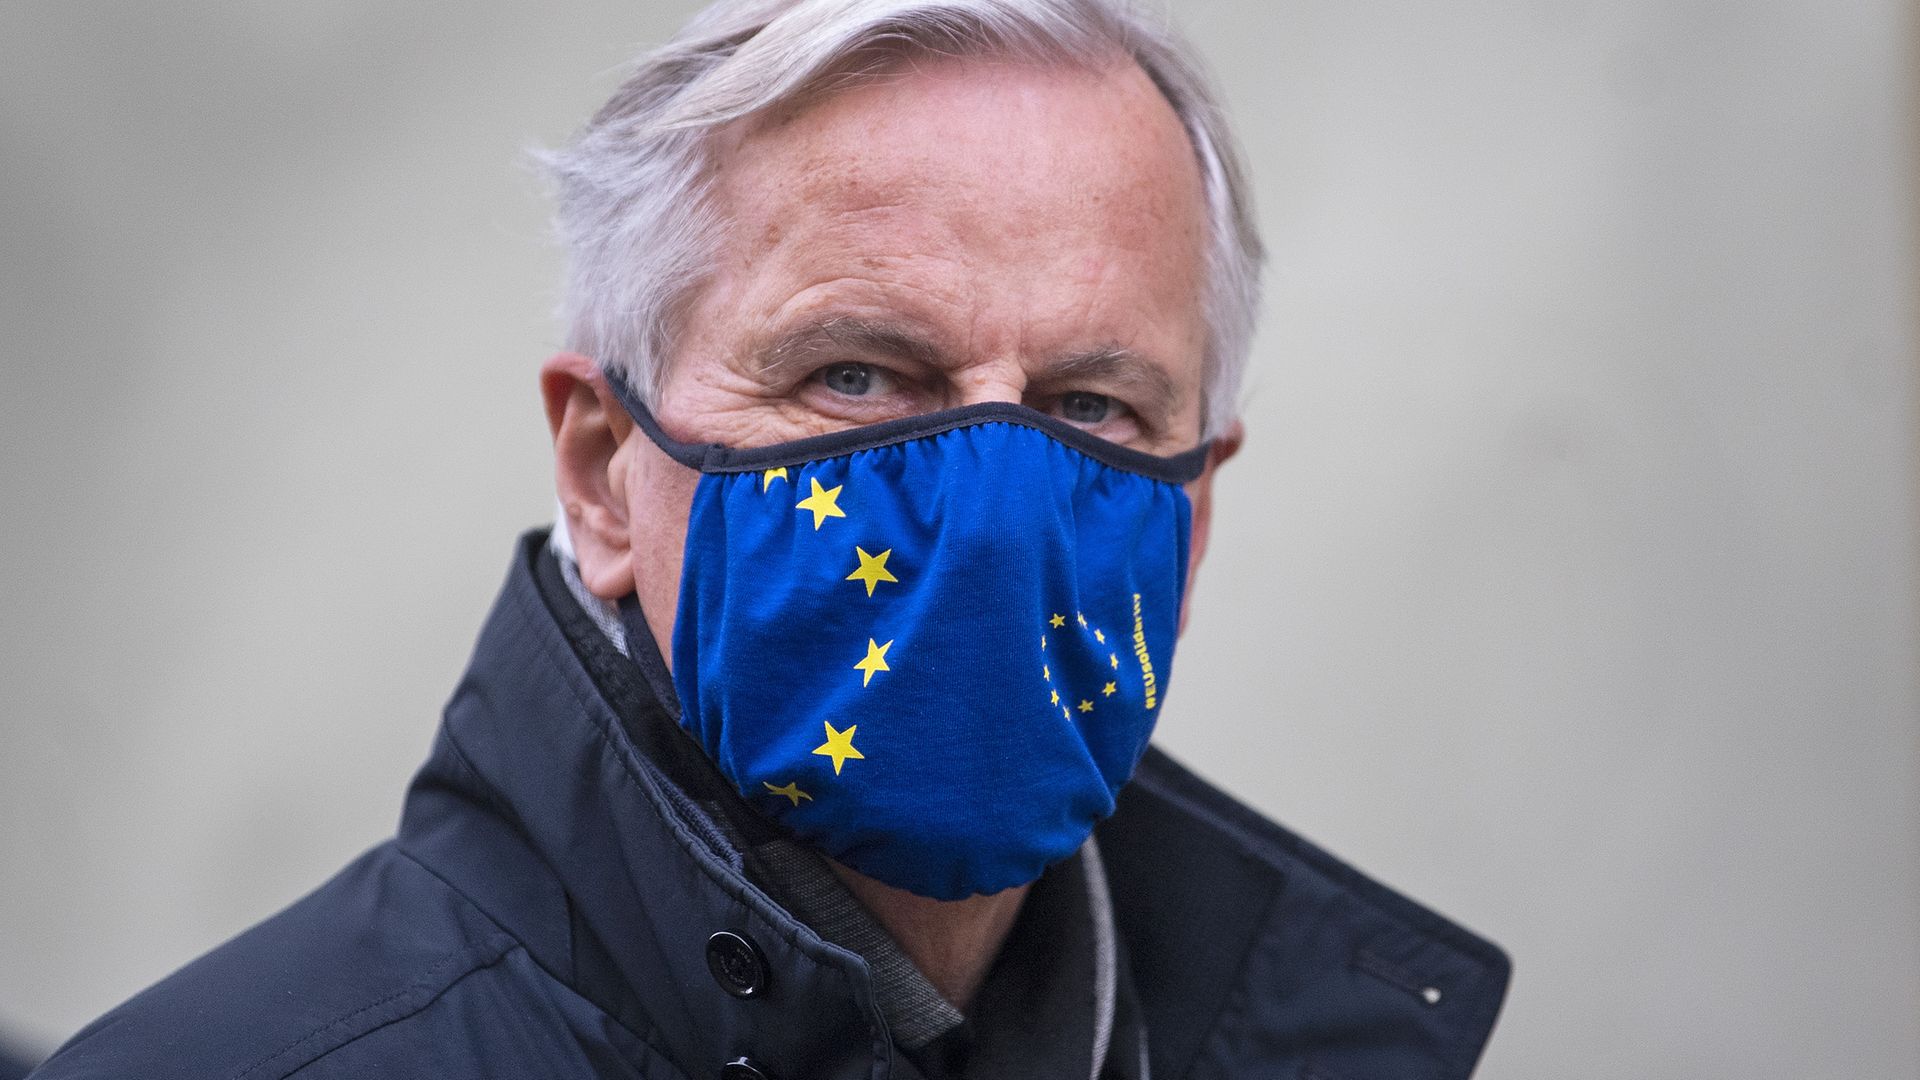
(633,187)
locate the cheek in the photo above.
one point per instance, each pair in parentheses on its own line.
(659,497)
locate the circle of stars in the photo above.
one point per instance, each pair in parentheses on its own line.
(1085,705)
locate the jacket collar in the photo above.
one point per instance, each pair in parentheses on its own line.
(610,876)
(549,800)
(1257,953)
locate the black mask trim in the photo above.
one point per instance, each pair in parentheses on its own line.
(714,458)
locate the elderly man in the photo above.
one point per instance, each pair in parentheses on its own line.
(905,341)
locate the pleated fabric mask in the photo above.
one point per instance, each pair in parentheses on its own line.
(933,648)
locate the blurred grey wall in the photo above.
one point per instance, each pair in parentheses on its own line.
(1567,580)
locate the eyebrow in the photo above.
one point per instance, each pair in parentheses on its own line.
(850,336)
(841,335)
(1152,387)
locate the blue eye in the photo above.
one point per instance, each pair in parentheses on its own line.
(1080,407)
(853,380)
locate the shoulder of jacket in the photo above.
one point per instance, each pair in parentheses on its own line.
(377,944)
(1236,924)
(1180,792)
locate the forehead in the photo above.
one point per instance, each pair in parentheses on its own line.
(1019,205)
(1097,132)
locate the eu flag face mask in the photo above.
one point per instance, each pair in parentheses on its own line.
(933,648)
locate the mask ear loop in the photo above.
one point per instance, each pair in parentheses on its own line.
(1181,468)
(692,455)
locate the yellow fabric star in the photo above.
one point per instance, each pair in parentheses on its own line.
(792,790)
(873,568)
(1099,637)
(1056,697)
(1086,706)
(822,502)
(767,478)
(1082,618)
(1046,672)
(1043,642)
(1114,659)
(876,660)
(1108,689)
(839,746)
(1057,621)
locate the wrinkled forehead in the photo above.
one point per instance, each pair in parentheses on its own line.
(1075,185)
(1071,135)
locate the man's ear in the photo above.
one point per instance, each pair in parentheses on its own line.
(1200,494)
(590,428)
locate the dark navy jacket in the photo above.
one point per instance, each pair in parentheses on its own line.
(546,907)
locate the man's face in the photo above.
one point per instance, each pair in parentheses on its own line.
(959,232)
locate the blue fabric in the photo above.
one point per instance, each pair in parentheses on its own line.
(938,659)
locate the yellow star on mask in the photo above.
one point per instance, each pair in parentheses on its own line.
(1099,637)
(1108,689)
(876,660)
(1057,621)
(792,790)
(1114,659)
(1082,618)
(873,568)
(823,502)
(839,746)
(767,478)
(1056,697)
(1086,706)
(1046,672)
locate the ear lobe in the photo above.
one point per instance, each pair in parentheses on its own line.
(1200,495)
(589,429)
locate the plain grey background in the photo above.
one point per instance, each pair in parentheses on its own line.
(1567,580)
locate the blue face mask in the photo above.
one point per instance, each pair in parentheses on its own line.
(933,648)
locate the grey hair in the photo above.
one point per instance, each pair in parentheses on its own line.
(632,189)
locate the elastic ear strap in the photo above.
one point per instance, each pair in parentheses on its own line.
(692,455)
(711,457)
